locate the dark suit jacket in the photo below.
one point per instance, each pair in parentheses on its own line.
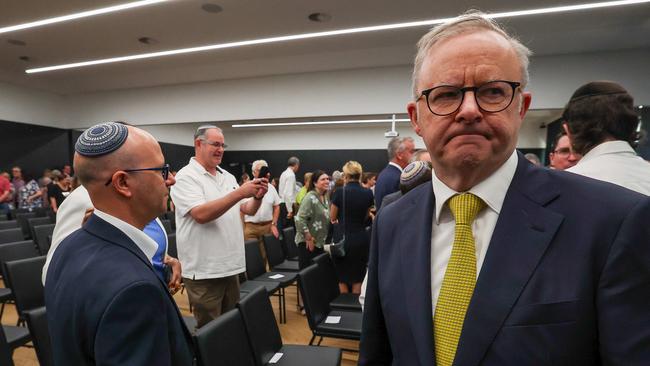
(390,198)
(106,306)
(387,182)
(565,281)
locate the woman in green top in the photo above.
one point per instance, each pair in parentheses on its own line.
(312,221)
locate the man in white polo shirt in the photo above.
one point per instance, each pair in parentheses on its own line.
(209,232)
(265,221)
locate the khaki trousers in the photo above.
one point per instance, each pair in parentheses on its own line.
(212,297)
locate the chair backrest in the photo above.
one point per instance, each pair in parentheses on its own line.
(254,262)
(314,295)
(261,327)
(37,324)
(274,252)
(3,217)
(172,249)
(9,224)
(35,221)
(24,224)
(289,236)
(328,272)
(223,342)
(41,234)
(5,351)
(11,235)
(167,225)
(24,275)
(15,251)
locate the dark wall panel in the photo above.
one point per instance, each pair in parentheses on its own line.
(33,147)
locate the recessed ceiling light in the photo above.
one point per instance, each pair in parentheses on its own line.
(319,17)
(24,58)
(16,42)
(211,8)
(147,40)
(338,32)
(83,14)
(313,123)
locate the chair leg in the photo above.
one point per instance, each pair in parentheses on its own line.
(284,306)
(2,310)
(311,342)
(319,341)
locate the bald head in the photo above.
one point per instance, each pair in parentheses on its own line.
(97,170)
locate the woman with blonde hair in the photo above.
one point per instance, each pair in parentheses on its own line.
(350,208)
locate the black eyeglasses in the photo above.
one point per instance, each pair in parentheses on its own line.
(493,96)
(164,170)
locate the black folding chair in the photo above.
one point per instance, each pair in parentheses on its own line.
(37,325)
(9,224)
(11,235)
(41,234)
(35,221)
(290,247)
(321,318)
(24,224)
(6,351)
(10,252)
(337,300)
(24,278)
(223,342)
(172,249)
(276,256)
(256,271)
(266,341)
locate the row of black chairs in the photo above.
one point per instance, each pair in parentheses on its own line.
(249,336)
(38,229)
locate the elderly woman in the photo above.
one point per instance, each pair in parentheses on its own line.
(350,207)
(313,219)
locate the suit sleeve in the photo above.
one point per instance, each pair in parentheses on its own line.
(133,329)
(375,346)
(623,292)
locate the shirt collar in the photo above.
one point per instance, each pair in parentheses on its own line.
(609,147)
(491,190)
(147,245)
(200,169)
(396,166)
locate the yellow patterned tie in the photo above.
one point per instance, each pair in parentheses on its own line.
(460,277)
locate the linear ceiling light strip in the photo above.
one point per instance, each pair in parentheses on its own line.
(83,14)
(360,121)
(510,14)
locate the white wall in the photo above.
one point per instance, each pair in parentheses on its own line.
(18,104)
(323,94)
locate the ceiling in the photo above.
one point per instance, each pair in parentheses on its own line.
(182,23)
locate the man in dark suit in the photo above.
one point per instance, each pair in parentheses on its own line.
(105,303)
(400,151)
(499,262)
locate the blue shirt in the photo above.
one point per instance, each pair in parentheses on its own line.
(156,232)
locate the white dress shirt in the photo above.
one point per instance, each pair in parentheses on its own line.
(615,162)
(265,212)
(287,188)
(396,166)
(492,191)
(214,249)
(147,245)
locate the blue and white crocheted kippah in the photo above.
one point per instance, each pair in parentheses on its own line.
(101,139)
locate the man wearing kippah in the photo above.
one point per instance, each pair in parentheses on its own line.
(601,124)
(499,262)
(106,304)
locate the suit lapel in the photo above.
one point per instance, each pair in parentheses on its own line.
(100,228)
(523,232)
(414,239)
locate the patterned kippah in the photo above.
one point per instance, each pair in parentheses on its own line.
(414,174)
(101,139)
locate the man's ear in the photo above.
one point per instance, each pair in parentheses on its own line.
(120,183)
(526,99)
(412,110)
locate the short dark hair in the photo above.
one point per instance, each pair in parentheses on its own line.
(556,140)
(594,119)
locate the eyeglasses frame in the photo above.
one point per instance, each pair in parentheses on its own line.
(425,93)
(164,170)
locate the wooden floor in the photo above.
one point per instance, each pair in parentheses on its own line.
(295,331)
